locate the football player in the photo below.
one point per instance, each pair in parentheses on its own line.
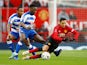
(59,34)
(13,28)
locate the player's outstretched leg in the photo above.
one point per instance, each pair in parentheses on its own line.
(38,38)
(31,51)
(32,47)
(32,57)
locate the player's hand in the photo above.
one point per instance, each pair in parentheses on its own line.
(69,37)
(62,35)
(65,39)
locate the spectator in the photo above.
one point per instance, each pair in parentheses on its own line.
(28,2)
(72,16)
(43,31)
(0,26)
(63,14)
(1,3)
(44,3)
(0,17)
(44,27)
(15,3)
(38,4)
(6,3)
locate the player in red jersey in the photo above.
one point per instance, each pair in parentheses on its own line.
(59,34)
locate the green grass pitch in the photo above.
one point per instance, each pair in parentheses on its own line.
(66,58)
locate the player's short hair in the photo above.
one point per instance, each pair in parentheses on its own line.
(33,5)
(61,19)
(19,7)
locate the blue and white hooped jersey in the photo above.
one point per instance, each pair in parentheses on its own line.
(14,20)
(28,19)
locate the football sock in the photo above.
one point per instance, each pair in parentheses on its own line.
(32,47)
(35,56)
(10,45)
(35,50)
(18,46)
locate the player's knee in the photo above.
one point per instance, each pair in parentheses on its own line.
(45,48)
(22,39)
(25,41)
(9,37)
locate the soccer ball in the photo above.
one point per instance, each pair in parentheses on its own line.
(45,55)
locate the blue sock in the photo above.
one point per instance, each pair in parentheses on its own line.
(18,48)
(33,52)
(11,47)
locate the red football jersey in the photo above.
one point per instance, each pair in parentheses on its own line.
(58,29)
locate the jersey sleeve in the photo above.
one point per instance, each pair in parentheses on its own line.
(55,35)
(75,33)
(10,20)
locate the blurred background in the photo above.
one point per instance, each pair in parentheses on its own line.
(47,16)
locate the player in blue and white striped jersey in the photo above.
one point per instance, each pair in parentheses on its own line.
(13,27)
(26,28)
